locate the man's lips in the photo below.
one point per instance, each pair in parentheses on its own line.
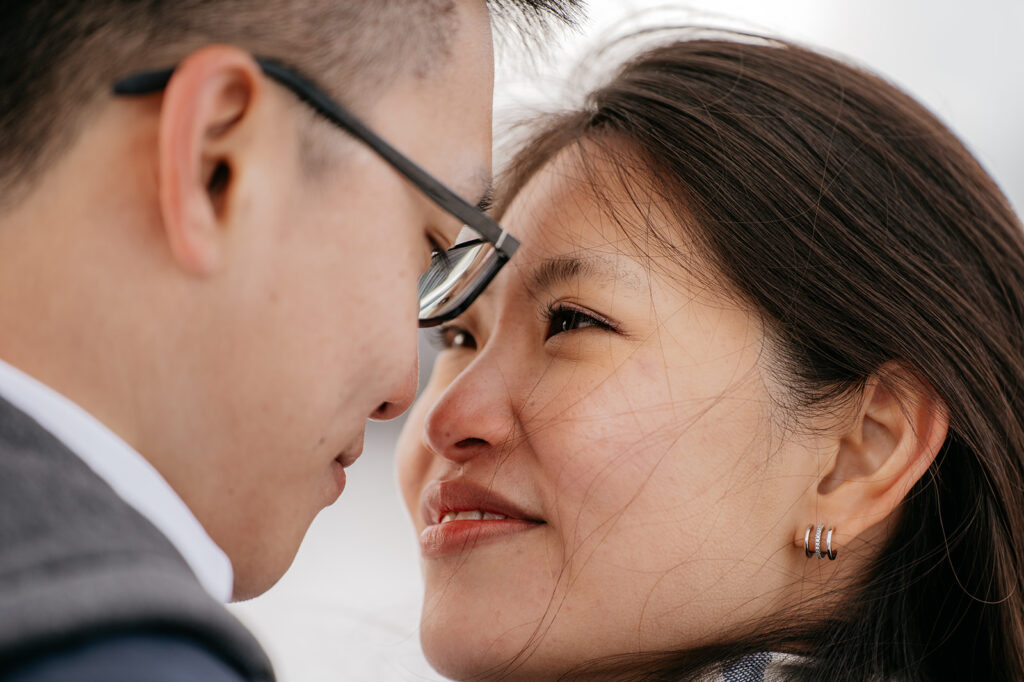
(460,515)
(350,454)
(341,462)
(347,459)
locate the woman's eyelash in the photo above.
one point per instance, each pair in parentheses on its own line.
(450,336)
(562,318)
(559,318)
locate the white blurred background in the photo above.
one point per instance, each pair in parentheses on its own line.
(348,608)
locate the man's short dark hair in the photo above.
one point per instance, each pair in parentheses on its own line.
(59,57)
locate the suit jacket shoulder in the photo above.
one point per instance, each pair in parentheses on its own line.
(129,658)
(76,561)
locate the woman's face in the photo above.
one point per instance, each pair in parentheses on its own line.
(620,420)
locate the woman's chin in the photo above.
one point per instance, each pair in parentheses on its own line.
(459,658)
(468,648)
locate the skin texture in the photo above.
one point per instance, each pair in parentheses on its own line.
(674,501)
(238,333)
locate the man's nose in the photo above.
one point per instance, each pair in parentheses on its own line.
(401,399)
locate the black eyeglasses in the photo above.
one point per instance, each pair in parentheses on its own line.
(455,277)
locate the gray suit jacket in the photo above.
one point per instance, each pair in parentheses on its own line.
(81,571)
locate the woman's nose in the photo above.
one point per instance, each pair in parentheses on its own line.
(473,416)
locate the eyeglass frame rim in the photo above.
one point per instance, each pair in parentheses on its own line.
(505,245)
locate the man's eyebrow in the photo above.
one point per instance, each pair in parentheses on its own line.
(553,271)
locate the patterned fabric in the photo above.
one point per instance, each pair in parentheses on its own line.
(759,667)
(749,669)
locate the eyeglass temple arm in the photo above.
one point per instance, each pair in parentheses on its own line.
(506,244)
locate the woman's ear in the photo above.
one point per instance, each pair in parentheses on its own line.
(204,138)
(883,449)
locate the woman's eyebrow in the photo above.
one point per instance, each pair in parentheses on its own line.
(552,271)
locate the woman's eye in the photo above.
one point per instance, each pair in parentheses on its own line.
(449,337)
(561,320)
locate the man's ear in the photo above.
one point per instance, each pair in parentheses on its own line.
(204,135)
(883,450)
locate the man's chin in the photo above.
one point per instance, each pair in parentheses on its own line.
(253,577)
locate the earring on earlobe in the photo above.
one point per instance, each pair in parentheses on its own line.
(829,552)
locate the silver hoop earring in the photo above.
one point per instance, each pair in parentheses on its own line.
(807,541)
(829,552)
(817,541)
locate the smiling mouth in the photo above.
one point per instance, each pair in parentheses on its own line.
(471,516)
(460,515)
(458,532)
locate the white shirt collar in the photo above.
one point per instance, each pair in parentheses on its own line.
(131,476)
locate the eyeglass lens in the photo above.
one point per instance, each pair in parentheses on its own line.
(454,278)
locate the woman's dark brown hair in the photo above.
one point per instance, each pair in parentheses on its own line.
(865,234)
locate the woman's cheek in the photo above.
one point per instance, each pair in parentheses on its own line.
(414,460)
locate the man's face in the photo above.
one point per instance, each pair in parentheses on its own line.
(313,325)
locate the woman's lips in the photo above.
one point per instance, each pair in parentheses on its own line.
(455,537)
(460,515)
